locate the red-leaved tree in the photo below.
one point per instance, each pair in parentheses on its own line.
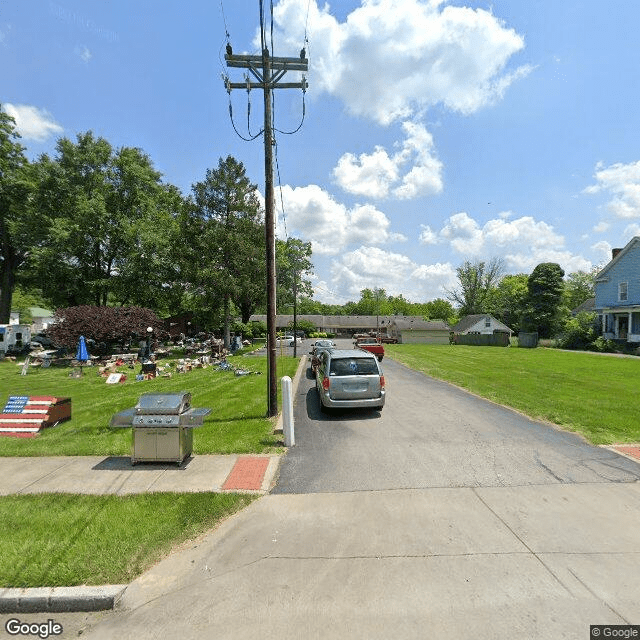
(103,324)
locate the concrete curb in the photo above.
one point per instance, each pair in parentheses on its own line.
(101,598)
(60,599)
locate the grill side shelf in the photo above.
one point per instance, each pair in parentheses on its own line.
(193,417)
(123,418)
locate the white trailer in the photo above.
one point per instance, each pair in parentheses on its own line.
(14,336)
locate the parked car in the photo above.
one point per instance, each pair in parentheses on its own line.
(284,340)
(318,347)
(298,341)
(372,345)
(349,378)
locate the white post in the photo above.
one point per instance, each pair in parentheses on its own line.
(287,412)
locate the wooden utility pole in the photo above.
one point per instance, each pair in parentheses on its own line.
(268,71)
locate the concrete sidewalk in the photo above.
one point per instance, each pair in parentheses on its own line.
(115,475)
(494,563)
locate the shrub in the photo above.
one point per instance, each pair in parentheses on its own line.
(579,332)
(604,346)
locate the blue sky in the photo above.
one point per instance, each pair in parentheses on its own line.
(435,132)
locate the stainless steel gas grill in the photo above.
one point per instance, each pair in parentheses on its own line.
(162,426)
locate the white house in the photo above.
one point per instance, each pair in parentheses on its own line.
(482,323)
(41,319)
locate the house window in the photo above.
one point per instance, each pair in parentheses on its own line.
(622,292)
(487,322)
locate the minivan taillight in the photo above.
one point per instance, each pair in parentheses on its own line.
(326,383)
(382,382)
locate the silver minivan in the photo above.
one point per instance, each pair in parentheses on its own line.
(349,378)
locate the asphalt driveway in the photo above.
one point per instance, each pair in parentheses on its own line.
(432,434)
(442,516)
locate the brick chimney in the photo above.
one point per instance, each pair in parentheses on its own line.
(614,253)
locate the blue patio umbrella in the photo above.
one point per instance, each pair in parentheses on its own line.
(82,355)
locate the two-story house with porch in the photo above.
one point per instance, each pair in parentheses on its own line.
(617,299)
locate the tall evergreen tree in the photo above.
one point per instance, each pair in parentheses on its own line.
(543,306)
(225,225)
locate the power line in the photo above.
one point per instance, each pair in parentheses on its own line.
(268,70)
(224,20)
(305,42)
(271,18)
(262,26)
(304,111)
(284,215)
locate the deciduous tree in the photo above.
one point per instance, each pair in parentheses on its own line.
(112,225)
(579,287)
(21,226)
(475,280)
(102,324)
(506,301)
(293,269)
(440,309)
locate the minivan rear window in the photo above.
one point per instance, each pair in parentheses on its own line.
(353,367)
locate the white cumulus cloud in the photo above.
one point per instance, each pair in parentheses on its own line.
(622,183)
(604,249)
(427,235)
(522,242)
(377,174)
(370,267)
(632,230)
(391,59)
(33,123)
(314,215)
(368,174)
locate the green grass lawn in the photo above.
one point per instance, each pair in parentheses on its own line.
(237,423)
(64,540)
(590,394)
(67,540)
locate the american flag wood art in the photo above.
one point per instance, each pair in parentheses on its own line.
(26,416)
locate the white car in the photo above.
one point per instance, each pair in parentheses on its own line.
(288,340)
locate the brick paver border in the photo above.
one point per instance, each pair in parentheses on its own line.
(247,474)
